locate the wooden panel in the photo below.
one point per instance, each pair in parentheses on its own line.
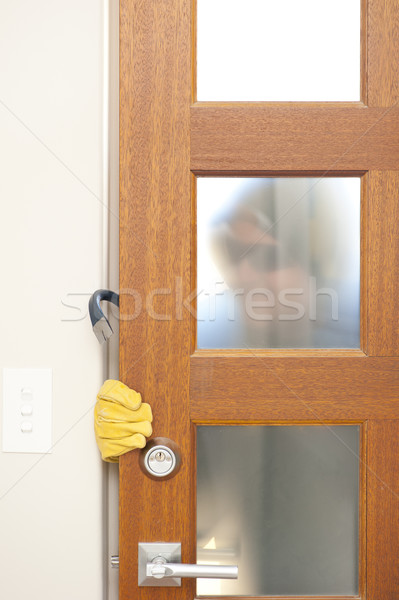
(155,219)
(304,388)
(293,137)
(383,511)
(383,264)
(383,52)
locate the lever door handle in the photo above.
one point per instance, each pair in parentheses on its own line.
(160,568)
(159,565)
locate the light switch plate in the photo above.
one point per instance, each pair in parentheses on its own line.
(27,410)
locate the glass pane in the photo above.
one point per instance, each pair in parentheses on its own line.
(283,504)
(278,51)
(278,262)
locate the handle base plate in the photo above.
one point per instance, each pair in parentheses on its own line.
(147,552)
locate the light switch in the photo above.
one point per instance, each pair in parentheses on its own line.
(26,394)
(26,426)
(27,410)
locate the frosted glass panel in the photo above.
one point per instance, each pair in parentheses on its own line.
(274,50)
(283,504)
(278,262)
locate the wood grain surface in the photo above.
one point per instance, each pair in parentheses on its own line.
(382,53)
(383,263)
(155,215)
(264,389)
(257,137)
(383,510)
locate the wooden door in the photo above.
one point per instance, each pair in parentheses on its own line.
(166,141)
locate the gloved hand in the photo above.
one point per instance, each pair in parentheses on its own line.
(121,420)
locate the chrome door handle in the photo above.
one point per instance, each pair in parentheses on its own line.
(159,565)
(160,568)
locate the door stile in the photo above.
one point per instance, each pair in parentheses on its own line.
(383,264)
(383,332)
(155,216)
(383,510)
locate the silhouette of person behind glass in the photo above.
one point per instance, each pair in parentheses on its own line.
(256,270)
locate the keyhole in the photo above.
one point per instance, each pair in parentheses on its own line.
(158,460)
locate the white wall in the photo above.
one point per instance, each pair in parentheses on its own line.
(51,245)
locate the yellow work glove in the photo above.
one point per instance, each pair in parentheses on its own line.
(121,420)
